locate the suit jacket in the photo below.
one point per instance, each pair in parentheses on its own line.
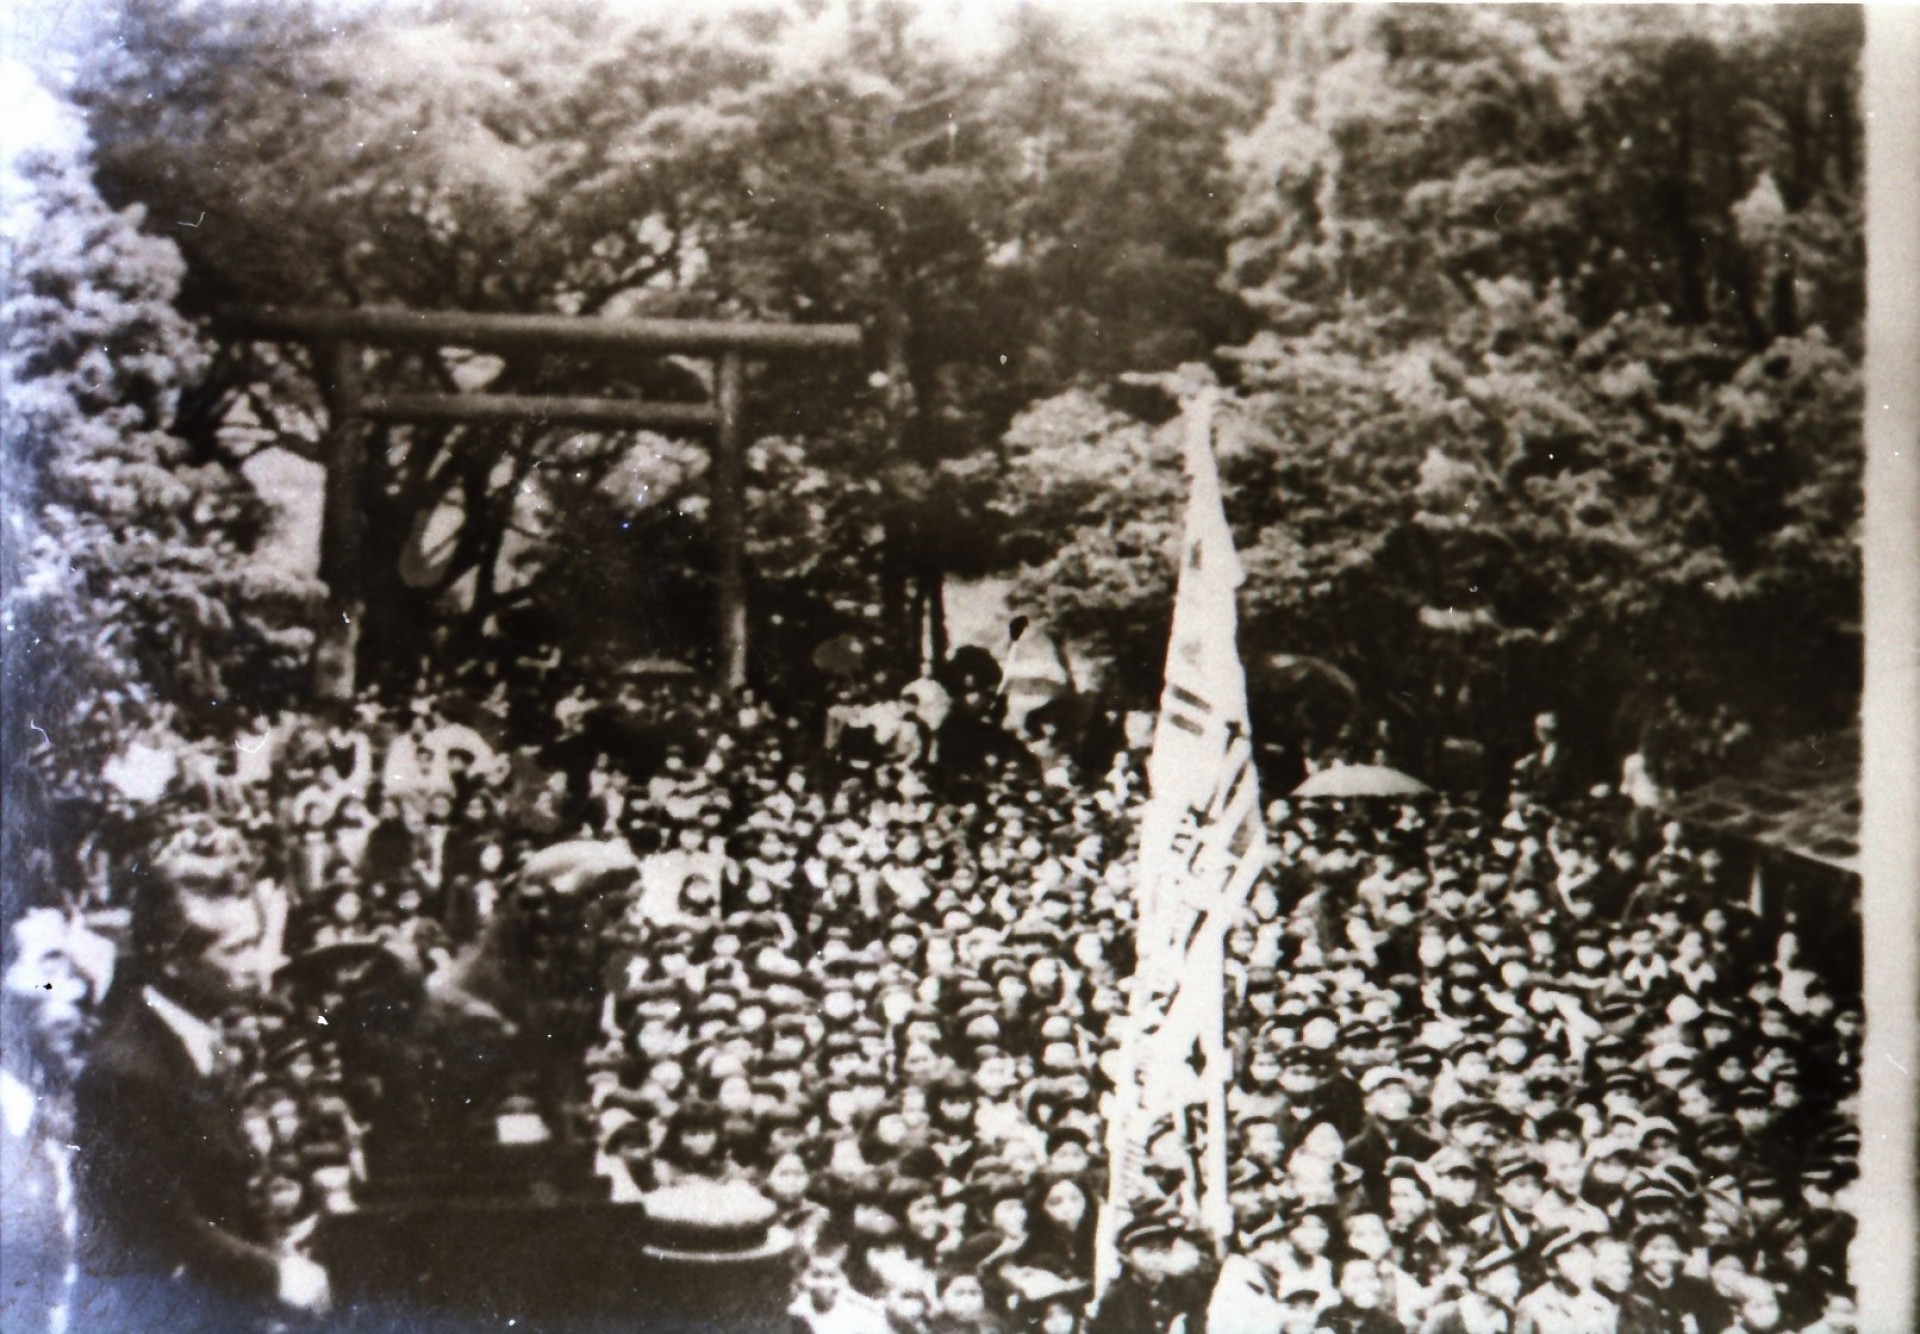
(170,1236)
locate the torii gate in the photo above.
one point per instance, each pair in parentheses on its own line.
(335,335)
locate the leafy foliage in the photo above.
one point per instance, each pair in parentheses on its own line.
(1548,410)
(1541,324)
(128,587)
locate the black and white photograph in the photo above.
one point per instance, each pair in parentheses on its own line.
(973,666)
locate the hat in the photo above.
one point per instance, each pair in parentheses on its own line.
(1560,1121)
(1657,1125)
(1608,1146)
(1497,1258)
(1381,1075)
(1719,1130)
(1517,1168)
(1450,1161)
(1476,1113)
(1149,1230)
(1670,1054)
(1563,1241)
(1398,1167)
(1655,1191)
(1300,1285)
(1648,1231)
(1678,1173)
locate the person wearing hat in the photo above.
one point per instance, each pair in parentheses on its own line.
(1773,1224)
(1453,1176)
(1519,1186)
(1563,1205)
(1662,1298)
(1365,1305)
(1390,1129)
(1485,1303)
(1567,1302)
(1311,1092)
(1165,1278)
(1300,1308)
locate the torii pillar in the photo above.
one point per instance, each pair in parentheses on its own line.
(336,335)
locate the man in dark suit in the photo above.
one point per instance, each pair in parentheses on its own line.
(170,1235)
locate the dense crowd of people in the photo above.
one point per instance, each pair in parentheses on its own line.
(1528,1069)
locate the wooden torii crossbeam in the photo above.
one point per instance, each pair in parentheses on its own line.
(335,335)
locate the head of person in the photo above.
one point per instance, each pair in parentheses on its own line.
(825,1278)
(1368,1237)
(1390,1099)
(1361,1285)
(199,927)
(1067,1155)
(1520,1185)
(1010,1216)
(1457,1183)
(1759,1305)
(1310,1233)
(1057,1316)
(1408,1199)
(788,1180)
(48,992)
(1570,1259)
(1659,1252)
(1497,1277)
(962,1298)
(1261,1141)
(1301,1072)
(1158,1251)
(1065,1204)
(1263,1068)
(1299,1308)
(1613,1264)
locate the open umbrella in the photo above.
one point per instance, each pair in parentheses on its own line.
(1360,780)
(568,868)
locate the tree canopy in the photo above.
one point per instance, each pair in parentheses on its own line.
(1539,326)
(128,590)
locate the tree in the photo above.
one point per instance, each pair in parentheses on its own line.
(1512,439)
(129,593)
(1003,221)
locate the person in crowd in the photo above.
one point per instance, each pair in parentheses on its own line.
(54,971)
(171,1235)
(1163,1281)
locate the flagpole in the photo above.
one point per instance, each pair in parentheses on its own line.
(1202,846)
